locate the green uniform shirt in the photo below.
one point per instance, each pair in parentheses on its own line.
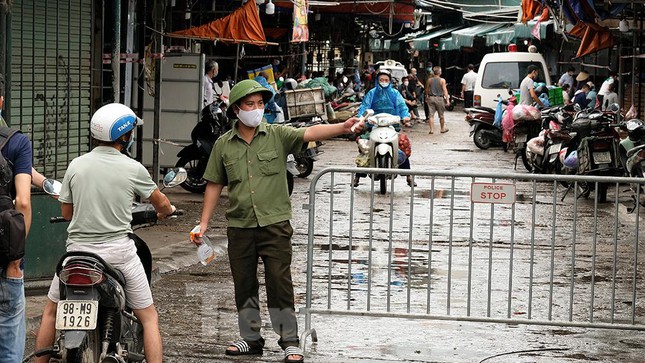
(255,173)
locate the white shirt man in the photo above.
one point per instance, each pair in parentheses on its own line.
(468,86)
(211,70)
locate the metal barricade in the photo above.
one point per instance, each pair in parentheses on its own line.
(482,247)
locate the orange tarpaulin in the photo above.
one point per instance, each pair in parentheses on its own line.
(595,38)
(241,26)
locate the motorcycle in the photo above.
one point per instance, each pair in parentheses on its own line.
(596,143)
(527,129)
(542,152)
(382,148)
(93,323)
(482,126)
(194,157)
(304,161)
(632,150)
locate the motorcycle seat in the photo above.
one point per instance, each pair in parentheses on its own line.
(91,261)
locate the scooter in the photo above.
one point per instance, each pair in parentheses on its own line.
(194,156)
(482,128)
(632,151)
(383,146)
(93,323)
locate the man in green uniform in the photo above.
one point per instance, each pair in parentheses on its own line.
(250,160)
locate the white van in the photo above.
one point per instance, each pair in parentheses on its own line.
(397,70)
(500,71)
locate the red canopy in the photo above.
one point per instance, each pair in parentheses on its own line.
(241,26)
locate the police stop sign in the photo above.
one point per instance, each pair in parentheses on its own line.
(492,193)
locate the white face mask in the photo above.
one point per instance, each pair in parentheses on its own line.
(406,84)
(251,118)
(384,84)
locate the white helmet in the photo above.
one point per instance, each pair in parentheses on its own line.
(113,121)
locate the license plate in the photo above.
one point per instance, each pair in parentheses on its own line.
(602,157)
(520,138)
(555,148)
(76,314)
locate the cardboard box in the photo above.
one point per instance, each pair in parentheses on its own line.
(307,102)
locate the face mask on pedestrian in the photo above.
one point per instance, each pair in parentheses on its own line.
(384,84)
(406,83)
(251,118)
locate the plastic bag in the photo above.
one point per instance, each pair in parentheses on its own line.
(404,144)
(497,122)
(545,100)
(508,124)
(536,145)
(526,113)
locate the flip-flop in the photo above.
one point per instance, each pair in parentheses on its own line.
(289,351)
(444,131)
(431,132)
(244,348)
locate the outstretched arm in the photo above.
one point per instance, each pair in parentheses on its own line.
(323,132)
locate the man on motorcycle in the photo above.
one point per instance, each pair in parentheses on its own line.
(250,160)
(96,196)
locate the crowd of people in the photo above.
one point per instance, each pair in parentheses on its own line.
(581,89)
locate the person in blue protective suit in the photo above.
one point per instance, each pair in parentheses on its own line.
(383,98)
(271,108)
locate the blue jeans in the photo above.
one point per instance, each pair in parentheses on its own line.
(12,318)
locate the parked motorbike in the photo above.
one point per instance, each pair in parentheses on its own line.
(304,161)
(527,129)
(93,323)
(632,150)
(482,127)
(596,143)
(542,152)
(194,157)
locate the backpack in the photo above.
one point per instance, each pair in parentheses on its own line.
(12,222)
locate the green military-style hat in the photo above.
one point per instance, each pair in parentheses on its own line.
(243,89)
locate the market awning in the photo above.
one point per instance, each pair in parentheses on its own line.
(423,42)
(501,36)
(524,30)
(447,44)
(465,37)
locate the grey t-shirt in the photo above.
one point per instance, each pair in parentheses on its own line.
(101,185)
(525,95)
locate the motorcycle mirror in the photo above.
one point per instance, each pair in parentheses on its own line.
(577,107)
(174,177)
(52,186)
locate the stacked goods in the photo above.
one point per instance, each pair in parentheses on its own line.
(555,96)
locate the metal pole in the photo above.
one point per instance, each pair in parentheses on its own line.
(157,108)
(116,50)
(129,49)
(141,18)
(3,37)
(237,60)
(304,59)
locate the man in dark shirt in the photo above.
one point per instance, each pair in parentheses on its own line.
(12,293)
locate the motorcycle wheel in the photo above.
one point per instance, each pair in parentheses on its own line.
(525,159)
(290,182)
(304,165)
(602,192)
(195,182)
(383,162)
(480,139)
(89,352)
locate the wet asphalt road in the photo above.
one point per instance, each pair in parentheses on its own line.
(198,318)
